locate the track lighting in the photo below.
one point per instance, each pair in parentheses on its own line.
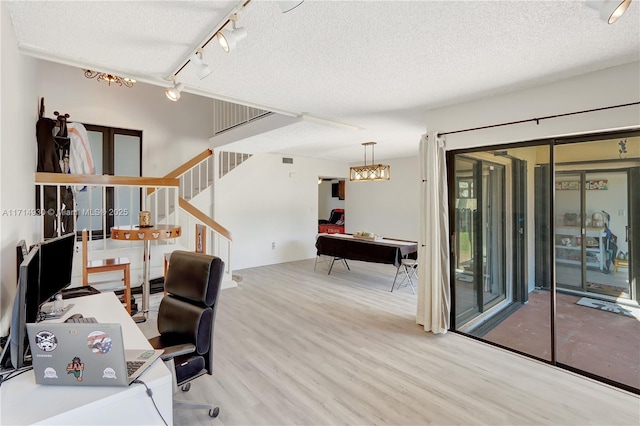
(229,38)
(610,10)
(289,5)
(173,93)
(202,70)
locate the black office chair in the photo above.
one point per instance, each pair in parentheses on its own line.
(186,317)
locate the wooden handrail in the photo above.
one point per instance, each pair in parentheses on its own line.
(70,179)
(196,213)
(189,164)
(186,166)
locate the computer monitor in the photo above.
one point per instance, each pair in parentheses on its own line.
(24,310)
(56,259)
(45,271)
(21,253)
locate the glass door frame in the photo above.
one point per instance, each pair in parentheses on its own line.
(108,168)
(634,246)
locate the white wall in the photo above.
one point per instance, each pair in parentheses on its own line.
(388,208)
(172,132)
(264,201)
(18,115)
(326,202)
(612,86)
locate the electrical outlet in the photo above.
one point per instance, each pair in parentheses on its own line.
(621,212)
(273,245)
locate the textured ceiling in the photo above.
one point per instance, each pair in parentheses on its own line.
(375,65)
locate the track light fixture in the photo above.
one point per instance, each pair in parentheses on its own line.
(229,38)
(610,10)
(173,93)
(289,5)
(202,70)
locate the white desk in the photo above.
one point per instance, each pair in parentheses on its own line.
(24,402)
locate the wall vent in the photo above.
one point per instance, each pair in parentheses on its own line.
(287,160)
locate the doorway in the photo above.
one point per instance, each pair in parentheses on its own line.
(331,202)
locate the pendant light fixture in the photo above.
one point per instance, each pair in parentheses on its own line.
(369,172)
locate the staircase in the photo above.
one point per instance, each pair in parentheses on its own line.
(183,197)
(190,204)
(229,161)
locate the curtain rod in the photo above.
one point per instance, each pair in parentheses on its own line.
(537,120)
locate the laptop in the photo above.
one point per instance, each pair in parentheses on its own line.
(92,354)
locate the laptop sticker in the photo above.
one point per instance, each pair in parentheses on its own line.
(76,367)
(146,355)
(109,373)
(99,342)
(50,373)
(46,341)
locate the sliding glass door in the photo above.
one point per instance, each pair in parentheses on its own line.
(546,251)
(597,317)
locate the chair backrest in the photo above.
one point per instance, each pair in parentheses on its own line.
(187,313)
(336,214)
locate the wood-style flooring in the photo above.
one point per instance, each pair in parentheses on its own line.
(294,346)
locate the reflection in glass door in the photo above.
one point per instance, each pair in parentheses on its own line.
(466,302)
(591,232)
(568,235)
(480,226)
(595,327)
(606,223)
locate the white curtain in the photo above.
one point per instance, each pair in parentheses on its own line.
(434,294)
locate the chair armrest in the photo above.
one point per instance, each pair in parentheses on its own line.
(171,352)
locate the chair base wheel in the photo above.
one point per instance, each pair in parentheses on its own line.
(214,412)
(185,388)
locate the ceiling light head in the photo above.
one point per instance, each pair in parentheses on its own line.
(610,10)
(202,70)
(289,5)
(173,93)
(228,38)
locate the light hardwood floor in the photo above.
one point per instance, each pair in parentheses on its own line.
(294,346)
